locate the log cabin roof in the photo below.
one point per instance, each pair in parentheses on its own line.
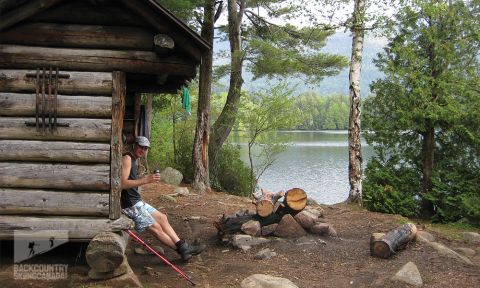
(29,8)
(130,20)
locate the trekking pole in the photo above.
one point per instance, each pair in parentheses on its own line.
(160,256)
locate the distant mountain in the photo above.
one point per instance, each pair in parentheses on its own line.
(339,43)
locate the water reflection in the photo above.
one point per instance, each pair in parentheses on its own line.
(316,161)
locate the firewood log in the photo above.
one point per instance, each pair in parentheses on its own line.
(393,241)
(295,199)
(266,202)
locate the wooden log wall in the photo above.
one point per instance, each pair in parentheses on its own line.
(56,172)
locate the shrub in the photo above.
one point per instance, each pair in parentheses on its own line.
(231,173)
(389,189)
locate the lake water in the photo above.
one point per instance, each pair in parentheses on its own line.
(316,161)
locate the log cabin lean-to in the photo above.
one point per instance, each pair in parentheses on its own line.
(71,74)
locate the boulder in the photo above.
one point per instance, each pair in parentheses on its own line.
(129,279)
(288,227)
(120,270)
(306,219)
(172,176)
(269,229)
(252,228)
(471,237)
(320,229)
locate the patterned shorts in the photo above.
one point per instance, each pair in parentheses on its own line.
(141,213)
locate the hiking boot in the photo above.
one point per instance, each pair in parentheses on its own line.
(186,250)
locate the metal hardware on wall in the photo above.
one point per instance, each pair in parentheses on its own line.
(46,100)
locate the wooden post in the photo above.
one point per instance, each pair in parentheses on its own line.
(118,110)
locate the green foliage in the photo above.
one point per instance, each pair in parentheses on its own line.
(267,111)
(432,78)
(232,173)
(289,51)
(162,152)
(389,188)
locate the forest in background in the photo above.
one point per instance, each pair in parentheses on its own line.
(422,115)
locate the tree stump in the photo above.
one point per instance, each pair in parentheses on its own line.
(105,252)
(393,241)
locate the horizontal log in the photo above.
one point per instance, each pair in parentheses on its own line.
(81,36)
(79,129)
(24,57)
(25,201)
(55,176)
(20,150)
(83,12)
(79,228)
(16,104)
(393,241)
(77,83)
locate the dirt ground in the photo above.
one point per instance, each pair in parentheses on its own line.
(310,261)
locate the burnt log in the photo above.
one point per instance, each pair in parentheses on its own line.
(390,243)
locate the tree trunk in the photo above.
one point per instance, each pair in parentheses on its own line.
(354,125)
(201,177)
(223,125)
(428,149)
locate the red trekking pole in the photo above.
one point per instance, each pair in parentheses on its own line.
(160,256)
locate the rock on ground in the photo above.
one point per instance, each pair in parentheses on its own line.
(266,281)
(409,274)
(424,236)
(471,237)
(172,176)
(445,251)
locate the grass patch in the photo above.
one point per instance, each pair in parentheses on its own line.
(451,231)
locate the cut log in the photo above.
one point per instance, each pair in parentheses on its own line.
(295,199)
(77,83)
(24,57)
(393,241)
(54,151)
(266,202)
(105,252)
(16,104)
